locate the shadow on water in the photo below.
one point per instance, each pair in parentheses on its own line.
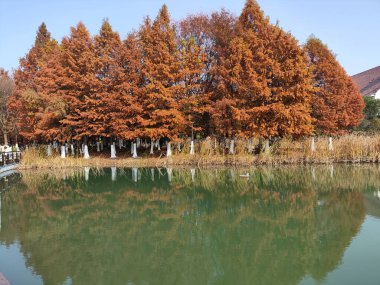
(186,226)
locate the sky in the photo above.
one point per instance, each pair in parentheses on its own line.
(349,27)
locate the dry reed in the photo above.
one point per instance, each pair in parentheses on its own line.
(353,148)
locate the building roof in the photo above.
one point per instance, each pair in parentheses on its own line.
(368,81)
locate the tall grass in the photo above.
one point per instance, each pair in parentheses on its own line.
(353,148)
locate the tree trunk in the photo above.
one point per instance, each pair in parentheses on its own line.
(312,144)
(134,150)
(113,150)
(49,150)
(192,152)
(267,146)
(63,151)
(168,150)
(331,148)
(151,147)
(232,146)
(5,134)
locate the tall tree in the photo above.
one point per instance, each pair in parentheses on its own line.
(212,34)
(337,105)
(193,98)
(7,117)
(78,83)
(263,82)
(27,99)
(161,76)
(102,101)
(126,113)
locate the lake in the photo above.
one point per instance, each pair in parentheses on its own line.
(286,225)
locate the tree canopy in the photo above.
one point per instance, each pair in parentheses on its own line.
(214,74)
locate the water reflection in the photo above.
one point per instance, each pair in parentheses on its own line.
(186,226)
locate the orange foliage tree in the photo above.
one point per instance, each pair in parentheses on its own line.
(78,84)
(263,86)
(215,74)
(29,100)
(337,104)
(161,71)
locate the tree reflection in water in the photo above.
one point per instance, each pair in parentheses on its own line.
(185,226)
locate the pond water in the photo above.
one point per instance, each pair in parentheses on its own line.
(288,225)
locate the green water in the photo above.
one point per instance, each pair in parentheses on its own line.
(289,225)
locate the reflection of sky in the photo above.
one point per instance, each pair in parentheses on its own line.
(361,261)
(12,265)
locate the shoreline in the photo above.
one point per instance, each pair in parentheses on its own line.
(348,149)
(185,161)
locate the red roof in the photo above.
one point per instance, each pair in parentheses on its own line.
(368,81)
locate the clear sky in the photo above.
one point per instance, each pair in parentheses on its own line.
(349,27)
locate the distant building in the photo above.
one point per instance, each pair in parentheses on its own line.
(369,82)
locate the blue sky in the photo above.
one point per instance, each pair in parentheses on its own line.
(349,27)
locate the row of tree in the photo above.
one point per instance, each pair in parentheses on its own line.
(212,74)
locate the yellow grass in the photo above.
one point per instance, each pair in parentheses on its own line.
(352,148)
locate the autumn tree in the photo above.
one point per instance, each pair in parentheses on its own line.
(263,83)
(212,33)
(78,84)
(28,99)
(161,73)
(337,104)
(193,98)
(7,116)
(126,113)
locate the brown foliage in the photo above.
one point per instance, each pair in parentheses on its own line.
(337,105)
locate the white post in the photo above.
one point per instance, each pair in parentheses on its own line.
(331,148)
(17,148)
(86,173)
(158,144)
(179,147)
(131,147)
(49,150)
(267,147)
(98,146)
(168,150)
(86,154)
(113,173)
(63,151)
(312,144)
(101,145)
(113,150)
(134,150)
(192,148)
(232,146)
(67,148)
(72,149)
(151,147)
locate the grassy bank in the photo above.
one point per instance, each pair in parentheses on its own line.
(346,149)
